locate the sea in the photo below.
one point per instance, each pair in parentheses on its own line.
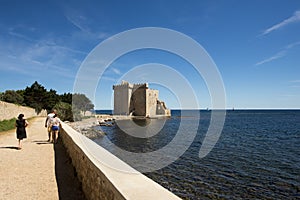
(257,155)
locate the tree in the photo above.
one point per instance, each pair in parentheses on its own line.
(66,97)
(35,96)
(21,93)
(51,99)
(12,96)
(64,111)
(81,102)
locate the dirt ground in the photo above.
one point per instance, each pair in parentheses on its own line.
(40,170)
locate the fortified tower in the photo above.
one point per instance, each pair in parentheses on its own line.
(122,95)
(138,100)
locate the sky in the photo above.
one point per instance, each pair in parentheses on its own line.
(255,46)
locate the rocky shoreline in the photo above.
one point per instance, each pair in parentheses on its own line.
(85,127)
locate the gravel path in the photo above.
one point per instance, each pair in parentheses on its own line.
(40,170)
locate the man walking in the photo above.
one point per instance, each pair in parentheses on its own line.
(48,124)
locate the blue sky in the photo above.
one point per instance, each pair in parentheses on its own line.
(254,44)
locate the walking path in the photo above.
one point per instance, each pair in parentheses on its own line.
(40,170)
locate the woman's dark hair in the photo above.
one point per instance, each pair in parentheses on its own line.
(20,117)
(55,115)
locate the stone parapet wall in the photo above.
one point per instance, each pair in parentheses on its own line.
(10,110)
(99,172)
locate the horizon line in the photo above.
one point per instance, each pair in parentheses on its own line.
(219,109)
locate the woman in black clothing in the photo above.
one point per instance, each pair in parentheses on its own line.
(21,124)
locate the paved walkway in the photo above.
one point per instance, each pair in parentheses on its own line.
(40,170)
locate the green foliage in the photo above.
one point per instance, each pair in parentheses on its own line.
(35,96)
(69,105)
(81,102)
(66,97)
(6,125)
(21,93)
(64,111)
(12,96)
(51,99)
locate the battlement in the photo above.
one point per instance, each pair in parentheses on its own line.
(123,85)
(140,85)
(127,85)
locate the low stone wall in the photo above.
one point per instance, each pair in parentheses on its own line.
(10,110)
(99,172)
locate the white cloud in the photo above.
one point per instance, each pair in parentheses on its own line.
(22,36)
(279,54)
(29,67)
(295,81)
(292,45)
(276,56)
(85,25)
(65,48)
(77,21)
(292,19)
(116,71)
(25,52)
(38,57)
(107,78)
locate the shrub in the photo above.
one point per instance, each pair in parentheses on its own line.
(6,125)
(64,111)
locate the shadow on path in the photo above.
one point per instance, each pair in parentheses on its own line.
(10,147)
(69,188)
(39,142)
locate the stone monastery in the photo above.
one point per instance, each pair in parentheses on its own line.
(138,100)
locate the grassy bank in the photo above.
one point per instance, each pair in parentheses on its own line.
(6,125)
